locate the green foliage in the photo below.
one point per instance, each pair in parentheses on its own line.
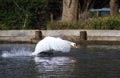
(105,23)
(64,25)
(34,14)
(22,14)
(109,22)
(27,14)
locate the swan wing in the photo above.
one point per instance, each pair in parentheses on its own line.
(60,45)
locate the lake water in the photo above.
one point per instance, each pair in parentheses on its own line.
(92,61)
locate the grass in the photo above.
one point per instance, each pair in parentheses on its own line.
(102,23)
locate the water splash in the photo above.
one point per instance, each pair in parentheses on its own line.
(15,52)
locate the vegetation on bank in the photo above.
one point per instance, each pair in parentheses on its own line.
(102,23)
(26,14)
(36,14)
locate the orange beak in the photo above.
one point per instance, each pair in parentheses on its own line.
(75,46)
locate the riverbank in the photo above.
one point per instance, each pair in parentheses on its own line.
(32,36)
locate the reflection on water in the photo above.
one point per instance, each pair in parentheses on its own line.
(52,67)
(99,61)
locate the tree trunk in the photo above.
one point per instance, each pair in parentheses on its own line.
(114,7)
(70,10)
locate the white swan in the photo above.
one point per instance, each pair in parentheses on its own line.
(54,44)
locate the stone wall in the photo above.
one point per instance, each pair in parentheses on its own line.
(92,35)
(74,35)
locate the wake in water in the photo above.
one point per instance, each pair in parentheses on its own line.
(15,52)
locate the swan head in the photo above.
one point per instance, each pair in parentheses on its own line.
(74,45)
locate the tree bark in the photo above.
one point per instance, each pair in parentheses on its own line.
(114,7)
(70,10)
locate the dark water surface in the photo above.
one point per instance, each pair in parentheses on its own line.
(93,61)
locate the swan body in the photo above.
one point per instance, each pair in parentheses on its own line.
(54,44)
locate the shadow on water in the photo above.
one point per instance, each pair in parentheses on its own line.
(92,61)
